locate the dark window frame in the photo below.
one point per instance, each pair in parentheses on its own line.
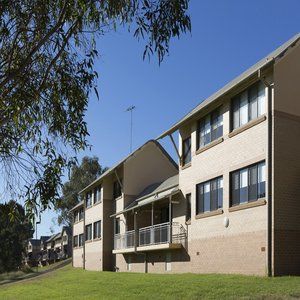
(88,234)
(186,153)
(235,194)
(201,126)
(75,241)
(97,191)
(117,226)
(88,199)
(117,189)
(236,100)
(80,240)
(188,214)
(97,236)
(200,203)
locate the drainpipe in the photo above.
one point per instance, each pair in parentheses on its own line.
(83,235)
(170,219)
(269,87)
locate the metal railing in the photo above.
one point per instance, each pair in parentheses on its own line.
(161,234)
(124,240)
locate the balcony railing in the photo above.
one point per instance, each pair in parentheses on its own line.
(161,234)
(124,241)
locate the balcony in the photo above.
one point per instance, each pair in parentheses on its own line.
(124,242)
(155,237)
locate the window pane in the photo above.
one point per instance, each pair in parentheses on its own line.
(243,108)
(188,207)
(261,99)
(235,188)
(214,195)
(253,102)
(217,125)
(253,183)
(201,134)
(244,186)
(236,112)
(261,180)
(220,192)
(207,130)
(200,198)
(117,226)
(206,196)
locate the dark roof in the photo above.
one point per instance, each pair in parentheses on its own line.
(35,242)
(127,157)
(239,79)
(53,237)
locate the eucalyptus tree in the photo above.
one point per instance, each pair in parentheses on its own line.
(47,56)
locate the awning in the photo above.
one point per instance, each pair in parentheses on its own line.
(153,198)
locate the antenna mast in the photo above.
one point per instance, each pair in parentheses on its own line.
(130,108)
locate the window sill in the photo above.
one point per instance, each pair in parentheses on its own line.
(259,202)
(118,198)
(97,203)
(210,145)
(188,222)
(89,241)
(97,239)
(78,247)
(247,126)
(86,208)
(186,166)
(77,222)
(210,214)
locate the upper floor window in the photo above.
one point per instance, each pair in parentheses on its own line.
(97,229)
(88,199)
(188,207)
(248,184)
(117,189)
(248,105)
(209,195)
(80,240)
(81,214)
(76,216)
(186,151)
(97,194)
(88,232)
(117,225)
(210,128)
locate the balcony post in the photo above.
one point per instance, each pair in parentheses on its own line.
(170,219)
(152,221)
(136,231)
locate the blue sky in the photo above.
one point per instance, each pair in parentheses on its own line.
(227,37)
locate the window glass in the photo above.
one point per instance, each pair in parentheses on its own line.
(88,232)
(236,113)
(117,189)
(253,102)
(76,241)
(248,184)
(80,240)
(188,207)
(243,109)
(97,229)
(80,213)
(88,199)
(261,180)
(210,128)
(97,194)
(209,195)
(261,99)
(186,150)
(117,225)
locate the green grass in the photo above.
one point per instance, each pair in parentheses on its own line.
(70,283)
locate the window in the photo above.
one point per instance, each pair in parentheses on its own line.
(88,232)
(76,216)
(80,240)
(81,214)
(75,241)
(117,225)
(210,128)
(248,105)
(117,189)
(248,184)
(88,199)
(209,195)
(97,194)
(188,207)
(186,151)
(97,230)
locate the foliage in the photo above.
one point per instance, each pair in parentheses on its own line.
(65,284)
(15,230)
(47,55)
(81,176)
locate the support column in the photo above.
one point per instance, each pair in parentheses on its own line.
(136,231)
(152,221)
(170,219)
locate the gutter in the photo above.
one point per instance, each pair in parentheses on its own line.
(269,86)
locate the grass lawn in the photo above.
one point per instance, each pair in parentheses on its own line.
(70,283)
